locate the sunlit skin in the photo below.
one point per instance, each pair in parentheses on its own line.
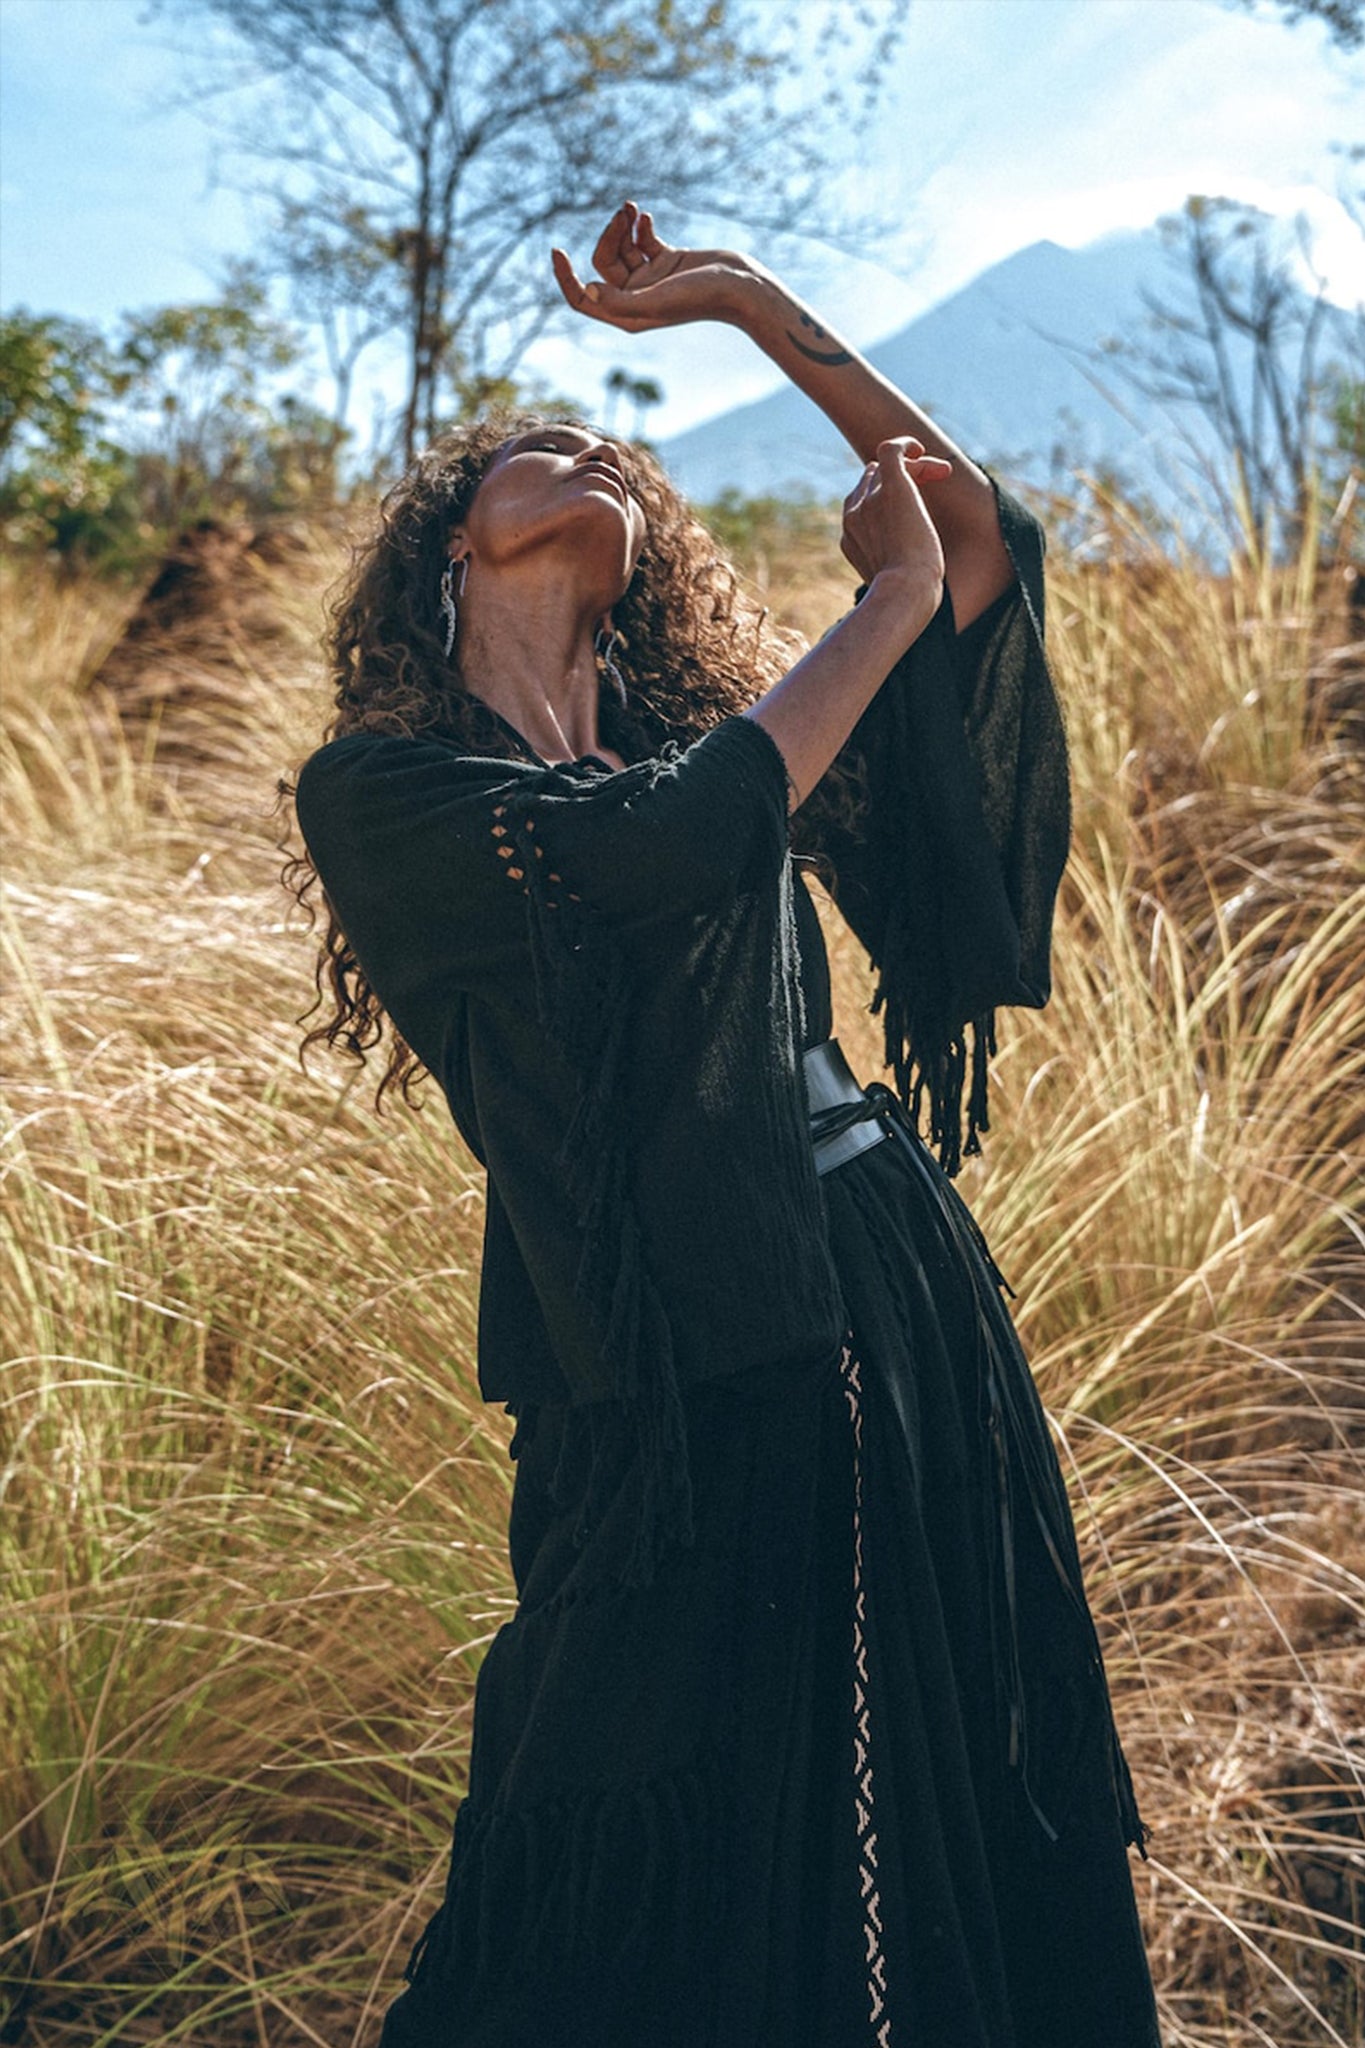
(644,283)
(551,541)
(553,535)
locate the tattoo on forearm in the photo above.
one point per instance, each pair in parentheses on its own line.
(832,358)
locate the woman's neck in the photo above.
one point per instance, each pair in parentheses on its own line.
(530,658)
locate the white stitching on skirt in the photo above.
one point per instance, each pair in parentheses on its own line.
(880,2020)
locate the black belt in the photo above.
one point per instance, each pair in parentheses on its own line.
(845,1119)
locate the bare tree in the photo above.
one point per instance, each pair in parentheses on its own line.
(1345,19)
(424,151)
(1250,360)
(343,280)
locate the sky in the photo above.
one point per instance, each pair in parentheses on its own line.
(1001,123)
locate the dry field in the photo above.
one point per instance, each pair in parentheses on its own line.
(252,1508)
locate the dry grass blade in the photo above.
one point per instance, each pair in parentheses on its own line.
(253,1507)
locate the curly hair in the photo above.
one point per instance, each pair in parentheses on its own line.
(693,648)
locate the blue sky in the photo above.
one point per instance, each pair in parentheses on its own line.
(1002,122)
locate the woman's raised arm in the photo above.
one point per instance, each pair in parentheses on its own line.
(644,283)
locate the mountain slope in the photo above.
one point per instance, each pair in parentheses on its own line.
(1007,367)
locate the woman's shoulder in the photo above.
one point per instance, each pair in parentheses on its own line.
(365,785)
(368,756)
(350,750)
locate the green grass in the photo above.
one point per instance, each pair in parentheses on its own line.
(253,1509)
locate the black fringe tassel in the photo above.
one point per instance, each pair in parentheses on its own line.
(583,997)
(931,1060)
(1025,1481)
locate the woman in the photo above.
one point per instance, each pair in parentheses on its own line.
(799,1736)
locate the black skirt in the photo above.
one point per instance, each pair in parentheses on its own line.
(846,1772)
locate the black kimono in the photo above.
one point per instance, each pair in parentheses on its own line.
(799,1736)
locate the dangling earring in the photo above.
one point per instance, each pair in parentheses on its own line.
(604,647)
(449,593)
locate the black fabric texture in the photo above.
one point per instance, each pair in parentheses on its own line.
(950,876)
(660,1838)
(584,958)
(580,958)
(800,1735)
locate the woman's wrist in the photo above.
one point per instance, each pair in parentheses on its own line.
(906,595)
(761,301)
(778,323)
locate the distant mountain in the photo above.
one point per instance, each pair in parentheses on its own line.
(1007,365)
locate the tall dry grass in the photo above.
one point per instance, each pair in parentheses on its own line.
(253,1508)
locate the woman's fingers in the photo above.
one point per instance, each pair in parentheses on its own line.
(645,283)
(609,256)
(861,488)
(903,459)
(609,303)
(592,298)
(898,470)
(647,239)
(668,291)
(923,469)
(627,244)
(885,519)
(568,280)
(907,455)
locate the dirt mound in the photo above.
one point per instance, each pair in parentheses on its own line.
(218,624)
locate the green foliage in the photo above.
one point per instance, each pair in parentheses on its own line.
(109,443)
(1344,463)
(208,435)
(643,392)
(64,483)
(53,375)
(751,529)
(1348,419)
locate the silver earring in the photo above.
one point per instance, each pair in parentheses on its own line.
(604,647)
(449,593)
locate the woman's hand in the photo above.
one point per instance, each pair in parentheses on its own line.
(894,545)
(646,283)
(887,526)
(643,283)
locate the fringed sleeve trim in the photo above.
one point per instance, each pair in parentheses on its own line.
(954,869)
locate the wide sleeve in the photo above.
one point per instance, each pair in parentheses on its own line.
(453,875)
(943,831)
(465,856)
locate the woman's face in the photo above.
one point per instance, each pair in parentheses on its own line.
(557,494)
